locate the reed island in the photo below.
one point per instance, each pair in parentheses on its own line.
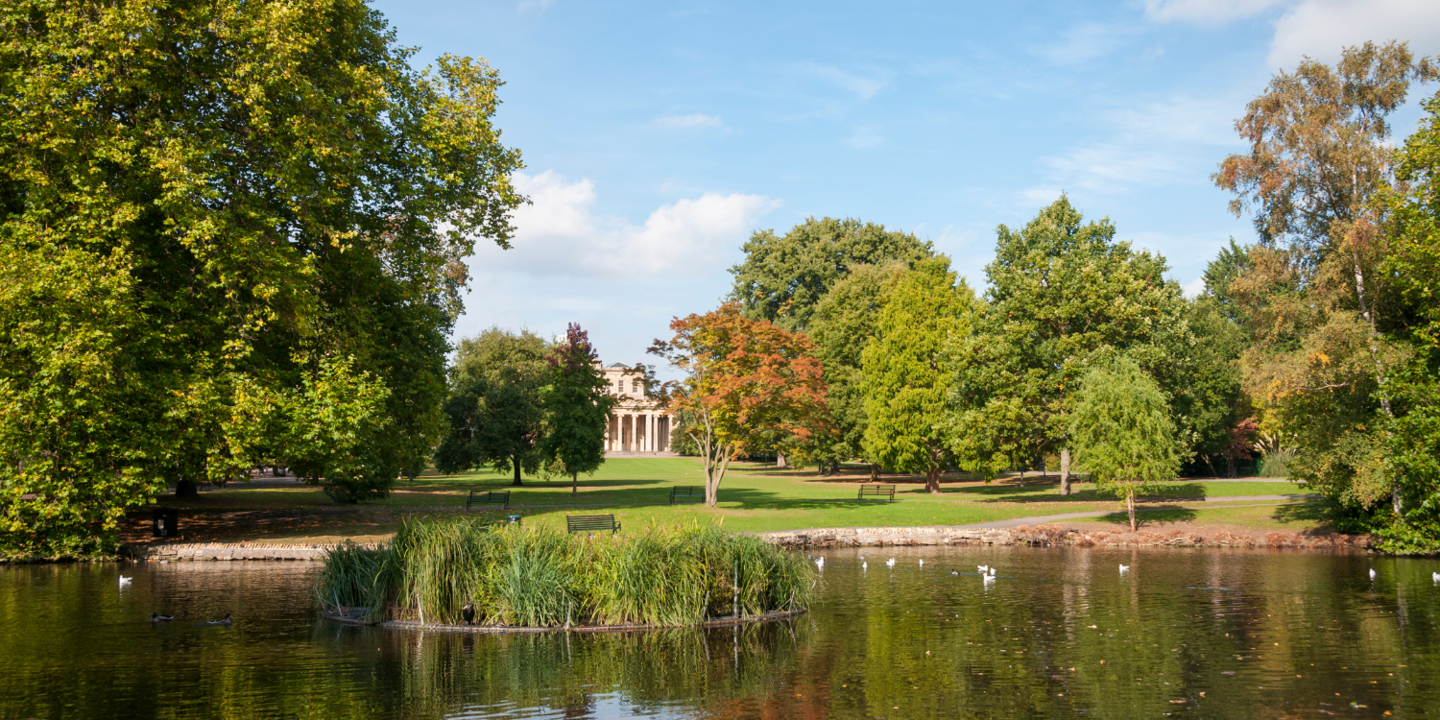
(478,574)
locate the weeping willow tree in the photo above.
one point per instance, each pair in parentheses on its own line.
(1122,432)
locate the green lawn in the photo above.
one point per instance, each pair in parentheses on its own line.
(752,497)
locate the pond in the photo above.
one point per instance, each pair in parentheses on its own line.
(1058,633)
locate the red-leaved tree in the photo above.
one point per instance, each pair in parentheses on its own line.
(744,380)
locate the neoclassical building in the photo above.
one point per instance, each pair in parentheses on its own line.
(638,425)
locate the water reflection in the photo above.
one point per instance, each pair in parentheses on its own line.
(1057,633)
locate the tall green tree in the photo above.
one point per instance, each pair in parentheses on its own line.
(844,321)
(1413,455)
(1061,290)
(210,205)
(906,384)
(1318,153)
(1121,430)
(783,277)
(577,406)
(495,408)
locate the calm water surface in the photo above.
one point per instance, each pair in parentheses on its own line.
(1060,633)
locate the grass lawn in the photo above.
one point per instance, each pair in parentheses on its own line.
(1290,517)
(752,497)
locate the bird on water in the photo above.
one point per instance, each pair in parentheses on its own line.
(157,617)
(1124,568)
(124,581)
(890,563)
(468,612)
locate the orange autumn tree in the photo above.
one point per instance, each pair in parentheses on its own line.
(745,380)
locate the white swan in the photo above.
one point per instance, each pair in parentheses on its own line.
(1124,568)
(890,563)
(124,581)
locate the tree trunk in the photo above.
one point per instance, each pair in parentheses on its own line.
(874,472)
(1130,505)
(515,462)
(932,480)
(186,488)
(574,483)
(780,460)
(1065,471)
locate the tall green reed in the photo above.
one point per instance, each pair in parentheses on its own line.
(543,577)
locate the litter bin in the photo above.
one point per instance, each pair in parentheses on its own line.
(513,519)
(167,522)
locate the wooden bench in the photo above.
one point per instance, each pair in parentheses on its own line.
(488,498)
(687,494)
(877,491)
(591,523)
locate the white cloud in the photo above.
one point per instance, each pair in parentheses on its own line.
(1085,41)
(561,234)
(1149,143)
(864,137)
(1193,289)
(688,122)
(1205,12)
(541,5)
(863,86)
(1321,28)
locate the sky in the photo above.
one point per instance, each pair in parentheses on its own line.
(657,137)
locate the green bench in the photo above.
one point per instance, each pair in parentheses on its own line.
(878,491)
(687,494)
(491,497)
(591,523)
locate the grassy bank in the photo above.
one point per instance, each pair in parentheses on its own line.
(540,576)
(753,497)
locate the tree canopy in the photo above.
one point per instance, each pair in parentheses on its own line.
(905,382)
(577,405)
(745,381)
(496,413)
(211,211)
(783,277)
(1061,289)
(1121,431)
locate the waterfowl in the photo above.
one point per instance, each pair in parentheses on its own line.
(864,565)
(983,568)
(922,562)
(992,572)
(954,572)
(468,612)
(989,579)
(224,621)
(820,562)
(1124,568)
(157,617)
(890,563)
(1435,576)
(124,581)
(1372,573)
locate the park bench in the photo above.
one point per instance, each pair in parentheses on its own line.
(687,494)
(877,491)
(591,523)
(488,498)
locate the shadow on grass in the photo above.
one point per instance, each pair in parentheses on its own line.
(1302,512)
(1147,516)
(1032,493)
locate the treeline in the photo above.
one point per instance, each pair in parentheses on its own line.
(1313,349)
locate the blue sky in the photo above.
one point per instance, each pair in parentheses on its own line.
(657,137)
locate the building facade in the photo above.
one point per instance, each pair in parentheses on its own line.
(638,424)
